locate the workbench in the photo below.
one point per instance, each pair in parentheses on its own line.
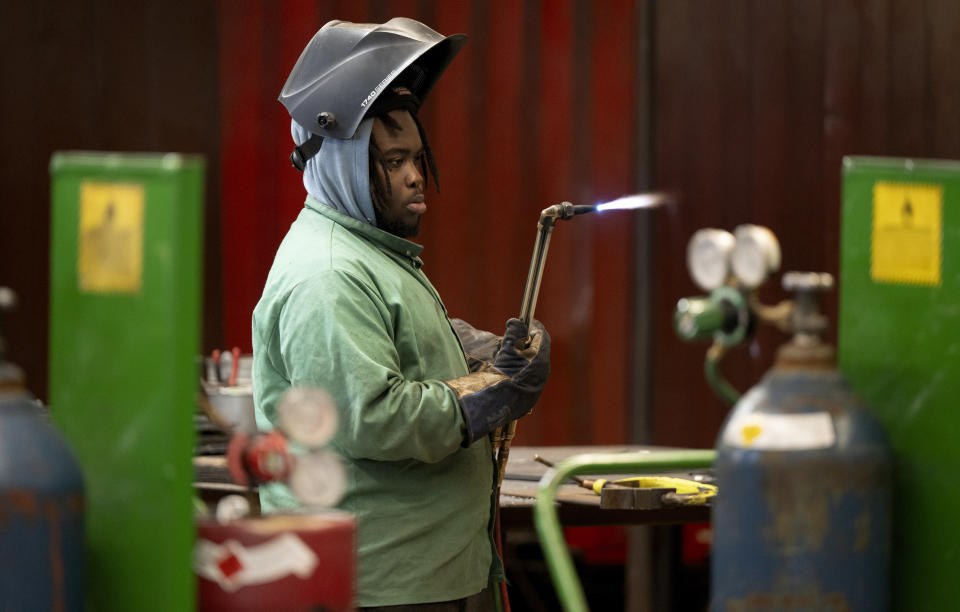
(577,505)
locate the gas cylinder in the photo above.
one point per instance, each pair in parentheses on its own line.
(41,504)
(803,517)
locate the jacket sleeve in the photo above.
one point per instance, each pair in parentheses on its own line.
(336,332)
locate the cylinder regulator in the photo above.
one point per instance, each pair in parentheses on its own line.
(732,267)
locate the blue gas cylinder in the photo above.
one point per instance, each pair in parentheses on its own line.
(803,517)
(41,507)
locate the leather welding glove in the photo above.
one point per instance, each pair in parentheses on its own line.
(479,346)
(507,388)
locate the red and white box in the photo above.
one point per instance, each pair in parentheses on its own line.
(277,562)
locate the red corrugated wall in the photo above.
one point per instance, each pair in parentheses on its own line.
(538,108)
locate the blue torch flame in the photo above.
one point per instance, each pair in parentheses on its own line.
(638,200)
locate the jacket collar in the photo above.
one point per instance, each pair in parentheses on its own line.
(400,246)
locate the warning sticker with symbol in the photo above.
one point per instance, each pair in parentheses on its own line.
(907,230)
(110,258)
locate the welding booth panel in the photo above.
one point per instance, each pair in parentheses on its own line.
(899,345)
(124,332)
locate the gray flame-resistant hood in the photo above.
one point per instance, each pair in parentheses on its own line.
(346,66)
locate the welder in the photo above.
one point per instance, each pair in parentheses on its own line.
(346,307)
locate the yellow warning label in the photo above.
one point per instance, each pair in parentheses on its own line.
(110,258)
(907,230)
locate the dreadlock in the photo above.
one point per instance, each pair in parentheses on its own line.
(399,98)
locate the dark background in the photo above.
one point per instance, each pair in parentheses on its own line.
(742,108)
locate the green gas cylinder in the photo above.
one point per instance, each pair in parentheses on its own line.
(125,263)
(899,325)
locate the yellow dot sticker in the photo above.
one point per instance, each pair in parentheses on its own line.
(750,432)
(907,231)
(110,245)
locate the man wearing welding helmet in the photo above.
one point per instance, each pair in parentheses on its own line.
(346,307)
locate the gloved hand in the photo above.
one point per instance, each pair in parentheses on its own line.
(479,346)
(509,387)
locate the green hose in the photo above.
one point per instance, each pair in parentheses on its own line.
(547,523)
(711,370)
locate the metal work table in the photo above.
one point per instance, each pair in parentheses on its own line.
(577,505)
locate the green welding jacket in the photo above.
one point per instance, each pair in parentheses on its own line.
(346,307)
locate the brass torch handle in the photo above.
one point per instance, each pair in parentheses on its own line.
(532,290)
(548,217)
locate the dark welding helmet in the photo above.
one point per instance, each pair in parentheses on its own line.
(346,66)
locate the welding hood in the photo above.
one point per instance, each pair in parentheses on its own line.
(346,66)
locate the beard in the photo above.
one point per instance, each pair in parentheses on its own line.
(397,227)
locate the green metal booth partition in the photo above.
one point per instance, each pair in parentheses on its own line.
(124,333)
(899,344)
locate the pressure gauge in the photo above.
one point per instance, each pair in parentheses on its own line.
(231,508)
(318,478)
(756,255)
(308,416)
(708,257)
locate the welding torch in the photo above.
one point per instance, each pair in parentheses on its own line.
(548,219)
